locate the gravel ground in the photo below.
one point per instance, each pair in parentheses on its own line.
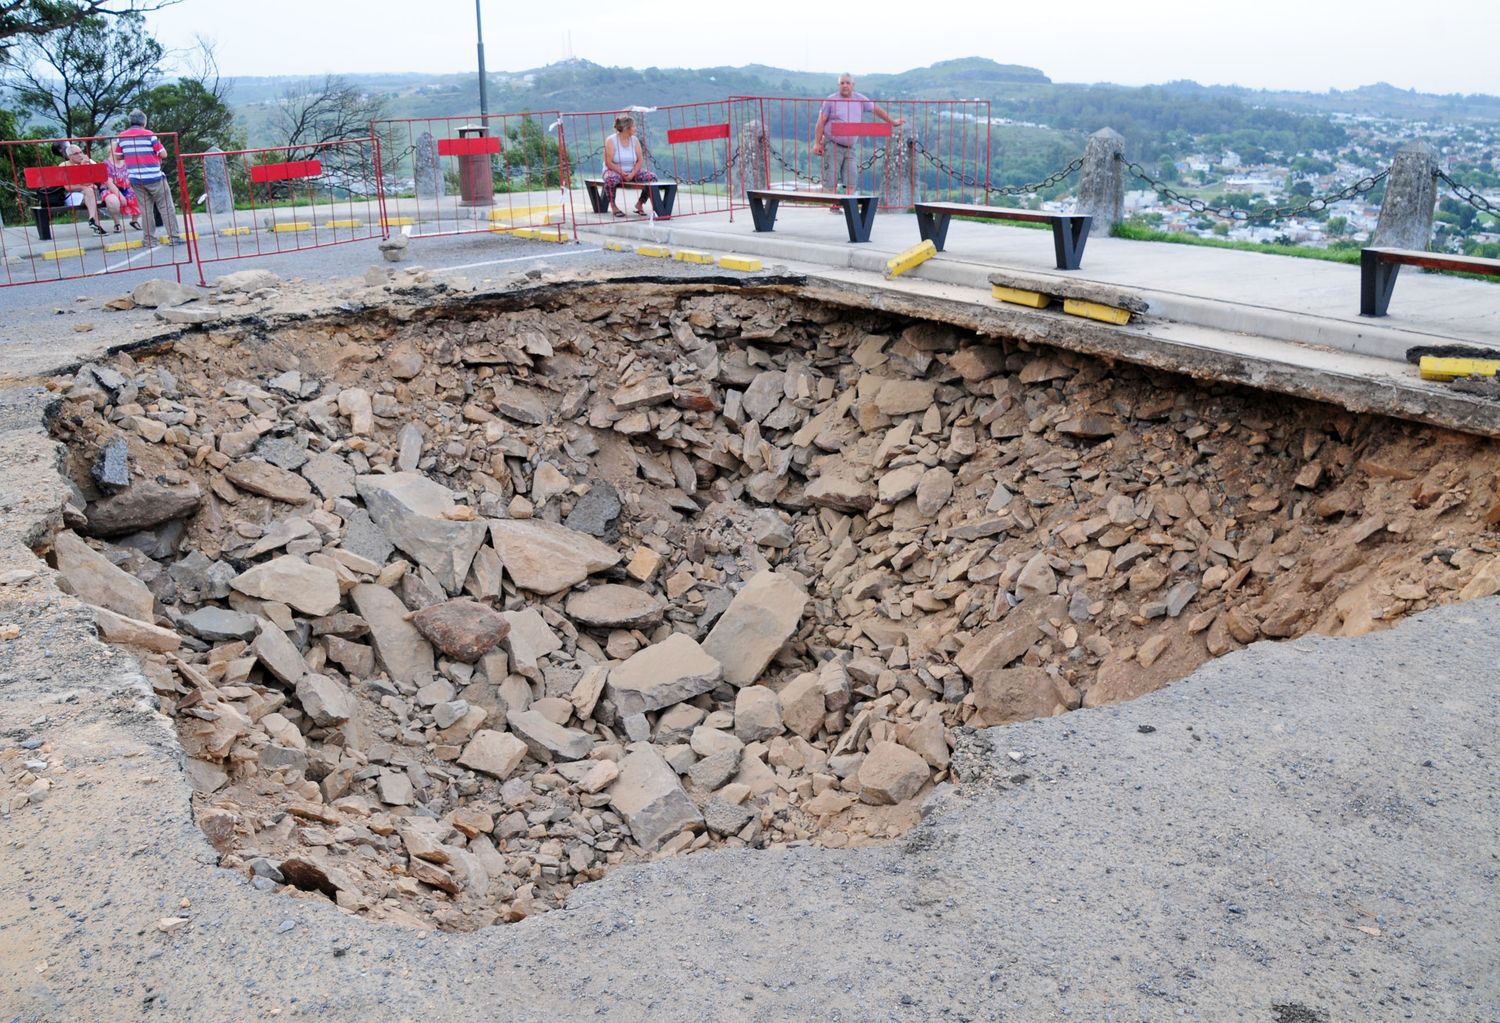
(1299,832)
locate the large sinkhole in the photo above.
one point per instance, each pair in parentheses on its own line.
(456,611)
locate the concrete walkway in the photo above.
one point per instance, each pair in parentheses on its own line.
(1283,298)
(1278,323)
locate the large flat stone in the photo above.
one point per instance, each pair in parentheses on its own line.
(548,740)
(662,674)
(95,580)
(1002,695)
(995,646)
(263,478)
(494,753)
(546,558)
(292,581)
(144,504)
(408,507)
(650,798)
(612,606)
(404,654)
(760,619)
(464,630)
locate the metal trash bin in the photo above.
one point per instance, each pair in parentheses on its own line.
(476,181)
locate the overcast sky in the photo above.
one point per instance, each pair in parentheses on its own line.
(1445,46)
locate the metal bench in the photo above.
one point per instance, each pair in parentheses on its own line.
(1070,231)
(663,195)
(859,210)
(1378,269)
(44,211)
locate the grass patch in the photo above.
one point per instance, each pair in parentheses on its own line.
(1136,232)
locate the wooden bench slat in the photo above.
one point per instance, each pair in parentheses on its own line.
(1439,260)
(822,198)
(964,209)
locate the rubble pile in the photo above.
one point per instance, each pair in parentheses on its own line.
(457,612)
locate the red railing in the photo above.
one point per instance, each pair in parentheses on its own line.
(464,175)
(936,149)
(53,199)
(690,145)
(261,202)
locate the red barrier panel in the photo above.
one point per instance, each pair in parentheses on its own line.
(687,146)
(285,171)
(939,150)
(71,174)
(467,147)
(287,199)
(500,173)
(57,200)
(703,134)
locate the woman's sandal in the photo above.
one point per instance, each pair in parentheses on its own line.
(135,225)
(620,214)
(117,227)
(640,211)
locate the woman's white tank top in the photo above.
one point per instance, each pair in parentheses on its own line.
(624,156)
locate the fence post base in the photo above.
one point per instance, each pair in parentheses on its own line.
(1101,187)
(1410,199)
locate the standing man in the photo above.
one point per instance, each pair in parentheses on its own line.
(843,107)
(142,152)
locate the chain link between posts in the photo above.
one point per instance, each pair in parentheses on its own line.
(972,181)
(1315,205)
(1468,195)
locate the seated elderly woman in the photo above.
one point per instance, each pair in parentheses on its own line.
(625,161)
(88,196)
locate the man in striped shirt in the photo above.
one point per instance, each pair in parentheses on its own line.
(142,152)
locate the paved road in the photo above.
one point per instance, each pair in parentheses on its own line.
(27,310)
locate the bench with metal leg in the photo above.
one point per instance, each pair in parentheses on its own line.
(1070,231)
(859,209)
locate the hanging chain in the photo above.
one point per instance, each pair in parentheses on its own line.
(1470,196)
(714,175)
(971,181)
(1315,205)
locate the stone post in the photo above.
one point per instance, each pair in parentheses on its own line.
(427,176)
(1410,199)
(749,171)
(216,183)
(1101,187)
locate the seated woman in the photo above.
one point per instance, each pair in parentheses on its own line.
(623,161)
(88,196)
(129,206)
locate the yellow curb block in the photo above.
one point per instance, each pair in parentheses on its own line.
(514,213)
(291,225)
(656,251)
(397,222)
(1095,311)
(1015,296)
(344,223)
(1435,367)
(692,256)
(230,232)
(614,246)
(122,246)
(912,257)
(62,253)
(740,263)
(538,234)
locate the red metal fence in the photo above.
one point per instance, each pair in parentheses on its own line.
(52,202)
(689,145)
(940,149)
(286,199)
(503,173)
(462,175)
